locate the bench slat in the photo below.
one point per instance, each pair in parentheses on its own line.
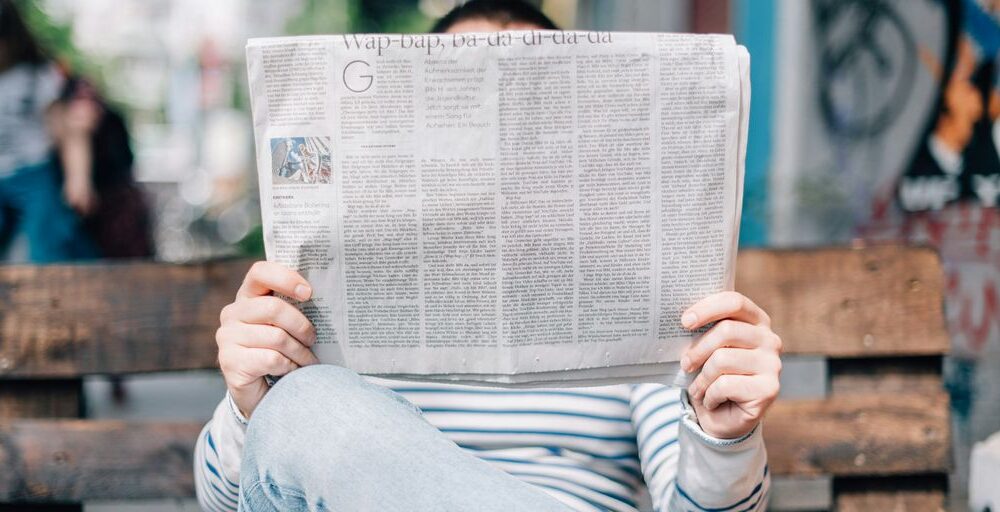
(841,302)
(64,321)
(859,435)
(78,460)
(916,493)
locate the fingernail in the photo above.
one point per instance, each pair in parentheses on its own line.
(686,364)
(689,319)
(302,292)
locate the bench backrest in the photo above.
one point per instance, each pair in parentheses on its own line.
(874,314)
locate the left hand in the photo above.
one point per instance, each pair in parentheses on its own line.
(740,362)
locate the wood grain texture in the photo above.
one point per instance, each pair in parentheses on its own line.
(914,493)
(76,460)
(67,460)
(60,321)
(859,435)
(864,302)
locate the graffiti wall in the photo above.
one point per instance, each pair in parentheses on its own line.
(887,128)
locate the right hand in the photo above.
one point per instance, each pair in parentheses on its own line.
(262,334)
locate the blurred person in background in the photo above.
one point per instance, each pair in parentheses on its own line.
(32,202)
(102,188)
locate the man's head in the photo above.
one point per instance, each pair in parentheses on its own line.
(493,16)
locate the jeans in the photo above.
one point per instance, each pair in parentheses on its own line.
(31,203)
(325,439)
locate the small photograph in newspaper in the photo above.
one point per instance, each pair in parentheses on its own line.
(298,160)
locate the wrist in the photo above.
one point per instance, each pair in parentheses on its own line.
(234,408)
(726,434)
(246,398)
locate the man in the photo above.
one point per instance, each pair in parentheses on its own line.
(324,438)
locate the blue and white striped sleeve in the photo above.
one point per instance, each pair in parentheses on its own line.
(217,458)
(685,468)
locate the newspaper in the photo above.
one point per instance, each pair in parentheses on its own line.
(517,208)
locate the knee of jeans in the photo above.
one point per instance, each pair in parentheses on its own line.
(308,392)
(319,412)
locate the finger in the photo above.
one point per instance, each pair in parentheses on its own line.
(727,333)
(267,277)
(248,364)
(274,311)
(740,389)
(722,305)
(276,339)
(733,361)
(270,362)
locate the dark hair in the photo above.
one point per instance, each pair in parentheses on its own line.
(503,12)
(15,35)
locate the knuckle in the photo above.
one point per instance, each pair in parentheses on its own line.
(709,367)
(773,387)
(734,301)
(221,336)
(257,268)
(766,318)
(720,360)
(226,361)
(745,302)
(272,307)
(307,326)
(728,329)
(275,337)
(779,345)
(274,360)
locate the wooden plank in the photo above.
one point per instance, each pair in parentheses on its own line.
(889,376)
(859,435)
(34,399)
(76,460)
(850,302)
(70,320)
(41,399)
(61,321)
(917,493)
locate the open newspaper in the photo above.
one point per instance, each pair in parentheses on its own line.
(517,208)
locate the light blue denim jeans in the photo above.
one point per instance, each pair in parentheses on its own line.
(323,438)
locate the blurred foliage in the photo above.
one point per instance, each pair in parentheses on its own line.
(56,39)
(390,16)
(322,17)
(252,245)
(344,16)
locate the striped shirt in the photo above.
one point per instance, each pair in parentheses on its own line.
(620,448)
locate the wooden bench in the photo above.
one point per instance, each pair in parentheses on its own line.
(874,314)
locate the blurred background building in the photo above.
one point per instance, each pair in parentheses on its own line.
(872,120)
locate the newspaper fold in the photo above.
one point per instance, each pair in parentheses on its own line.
(517,208)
